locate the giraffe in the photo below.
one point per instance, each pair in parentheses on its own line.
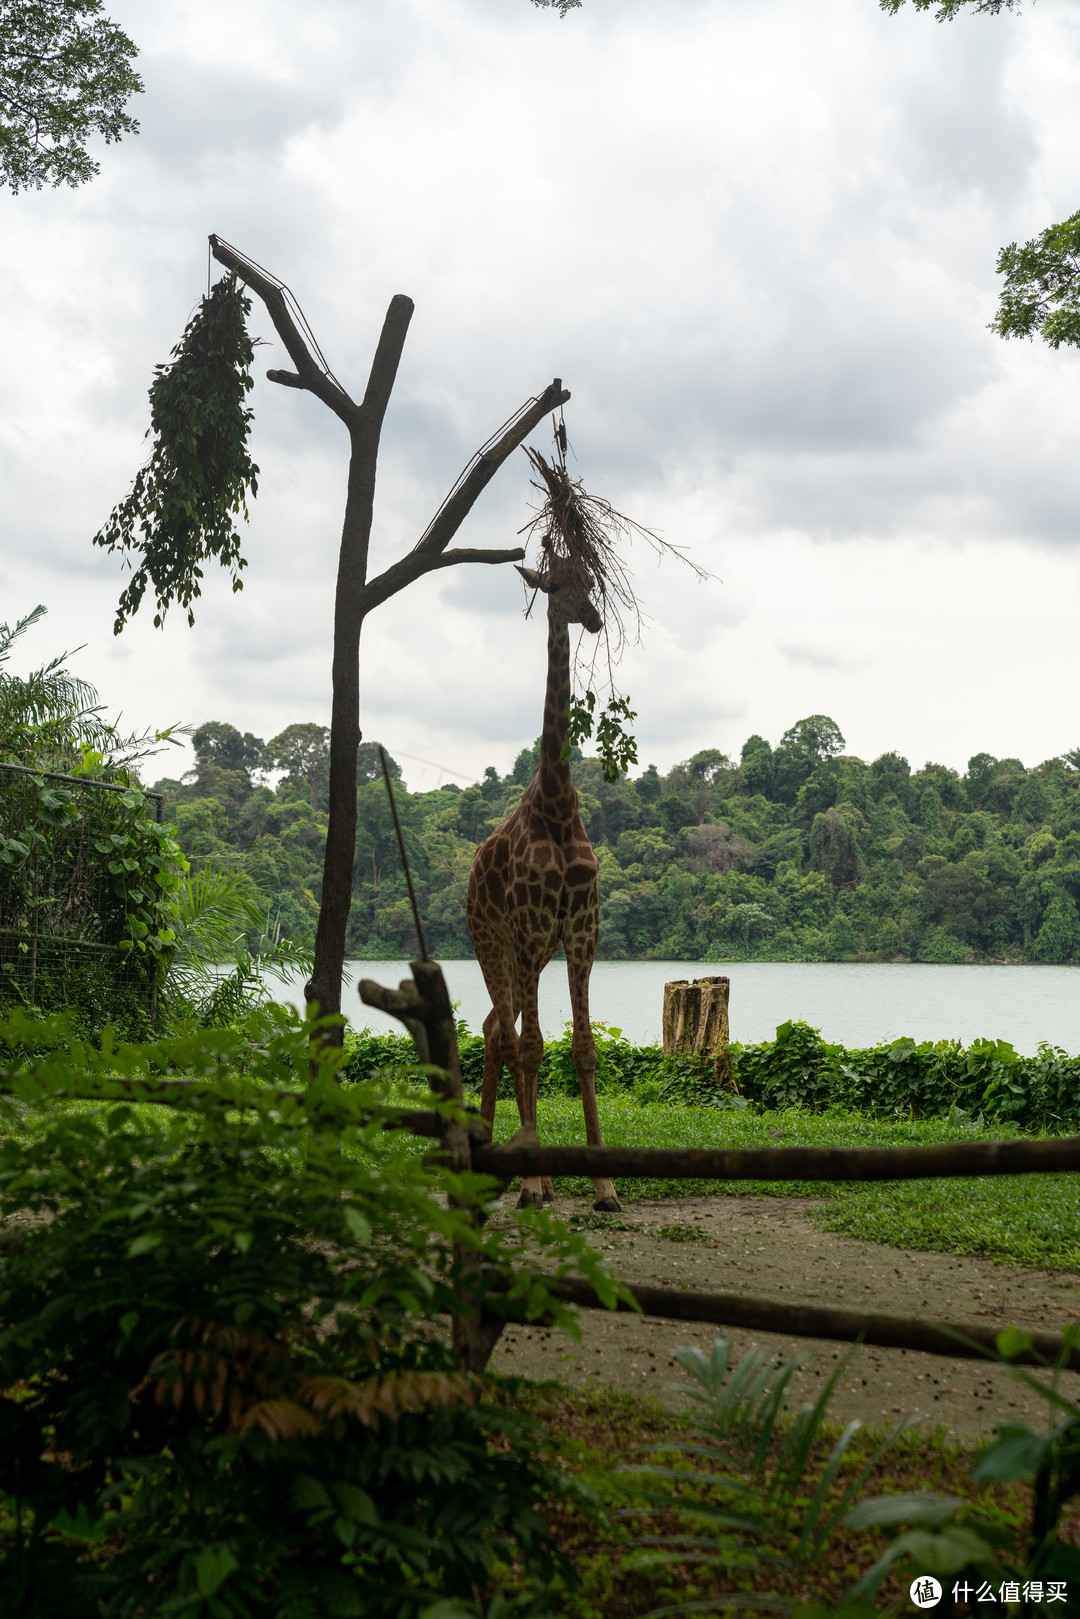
(533,887)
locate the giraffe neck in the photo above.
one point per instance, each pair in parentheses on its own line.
(554,793)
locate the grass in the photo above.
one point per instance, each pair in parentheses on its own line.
(1029,1220)
(597,1431)
(1019,1219)
(1022,1219)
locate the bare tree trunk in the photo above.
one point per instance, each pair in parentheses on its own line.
(356,595)
(696,1025)
(324,986)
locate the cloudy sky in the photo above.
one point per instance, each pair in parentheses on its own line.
(756,238)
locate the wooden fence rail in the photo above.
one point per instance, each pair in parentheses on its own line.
(785,1163)
(421,1006)
(821,1321)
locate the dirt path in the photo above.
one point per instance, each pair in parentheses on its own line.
(769,1246)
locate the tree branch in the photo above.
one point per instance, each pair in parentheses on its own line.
(310,374)
(387,356)
(430,552)
(450,559)
(457,505)
(415,565)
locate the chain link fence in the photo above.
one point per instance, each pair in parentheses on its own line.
(71,882)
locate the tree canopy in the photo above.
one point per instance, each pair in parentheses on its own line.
(946,10)
(65,75)
(1041,295)
(798,853)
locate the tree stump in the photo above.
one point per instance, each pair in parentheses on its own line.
(696,1025)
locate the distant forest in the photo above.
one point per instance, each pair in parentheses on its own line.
(797,852)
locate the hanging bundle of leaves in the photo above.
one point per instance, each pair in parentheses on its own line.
(584,531)
(182,505)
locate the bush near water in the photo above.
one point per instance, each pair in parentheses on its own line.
(793,853)
(798,1069)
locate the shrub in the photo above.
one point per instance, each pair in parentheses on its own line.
(799,1069)
(228,1390)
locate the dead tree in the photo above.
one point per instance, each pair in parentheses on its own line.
(357,594)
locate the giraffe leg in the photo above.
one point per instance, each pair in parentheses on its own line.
(501,1040)
(531,1047)
(579,940)
(494,1058)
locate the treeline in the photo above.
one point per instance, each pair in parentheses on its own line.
(797,852)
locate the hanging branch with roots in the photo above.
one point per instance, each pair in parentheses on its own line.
(585,532)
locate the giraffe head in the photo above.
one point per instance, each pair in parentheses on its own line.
(569,601)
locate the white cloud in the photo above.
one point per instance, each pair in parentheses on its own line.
(758,243)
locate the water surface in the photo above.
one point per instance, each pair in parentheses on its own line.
(854,1004)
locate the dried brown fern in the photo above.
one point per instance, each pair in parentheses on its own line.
(254,1381)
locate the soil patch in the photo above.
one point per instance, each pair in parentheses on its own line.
(770,1247)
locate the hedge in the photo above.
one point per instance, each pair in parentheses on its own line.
(799,1068)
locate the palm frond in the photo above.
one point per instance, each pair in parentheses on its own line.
(215,909)
(50,718)
(9,633)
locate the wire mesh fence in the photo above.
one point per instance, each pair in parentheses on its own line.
(72,887)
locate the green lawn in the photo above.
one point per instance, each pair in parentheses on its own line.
(1022,1219)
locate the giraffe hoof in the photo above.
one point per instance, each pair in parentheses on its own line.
(607,1205)
(530,1200)
(549,1195)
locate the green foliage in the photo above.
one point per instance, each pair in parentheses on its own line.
(180,511)
(1041,294)
(51,719)
(216,913)
(617,749)
(65,75)
(228,1388)
(987,1081)
(750,1494)
(951,1540)
(948,9)
(794,854)
(88,886)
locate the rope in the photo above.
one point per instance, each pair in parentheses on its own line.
(293,306)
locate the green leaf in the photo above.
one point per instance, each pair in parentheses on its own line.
(179,513)
(355,1503)
(1012,1342)
(1019,1453)
(918,1508)
(309,1494)
(357,1223)
(145,1244)
(213,1566)
(79,1524)
(129,1322)
(946,1552)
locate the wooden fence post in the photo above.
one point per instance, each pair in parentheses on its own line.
(696,1025)
(424,1008)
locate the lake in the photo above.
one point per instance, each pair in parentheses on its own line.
(853,1004)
